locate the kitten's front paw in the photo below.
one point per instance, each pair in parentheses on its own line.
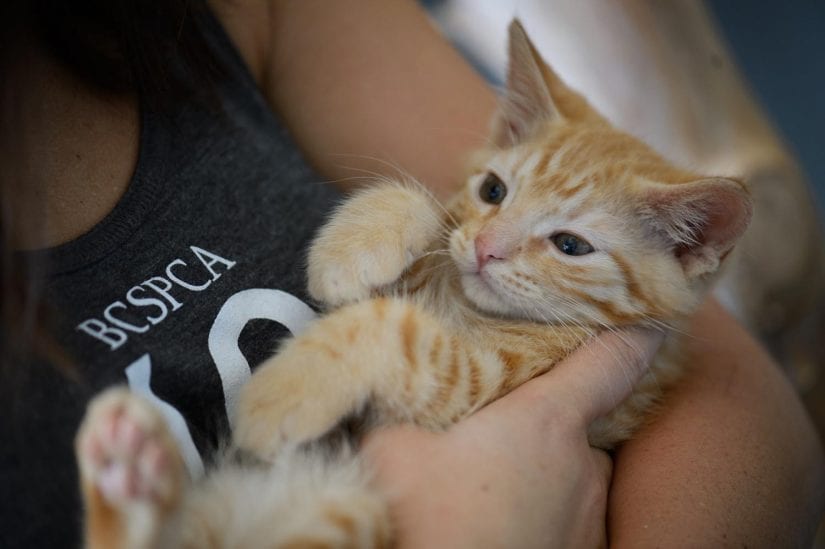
(287,422)
(303,413)
(370,241)
(125,451)
(297,396)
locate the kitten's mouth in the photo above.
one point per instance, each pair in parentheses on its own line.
(478,275)
(485,277)
(480,287)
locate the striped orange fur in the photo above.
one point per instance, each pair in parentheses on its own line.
(565,227)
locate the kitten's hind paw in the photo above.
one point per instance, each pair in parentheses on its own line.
(126,453)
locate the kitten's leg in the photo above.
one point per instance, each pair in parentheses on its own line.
(370,241)
(386,352)
(131,473)
(342,362)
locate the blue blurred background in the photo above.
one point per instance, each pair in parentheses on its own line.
(780,46)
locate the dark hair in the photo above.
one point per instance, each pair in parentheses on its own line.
(154,48)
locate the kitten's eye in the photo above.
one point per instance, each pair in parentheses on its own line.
(492,190)
(571,244)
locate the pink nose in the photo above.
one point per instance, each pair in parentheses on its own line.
(487,248)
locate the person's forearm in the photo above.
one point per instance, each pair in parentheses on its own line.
(371,85)
(732,459)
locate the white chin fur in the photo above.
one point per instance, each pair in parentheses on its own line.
(484,296)
(488,298)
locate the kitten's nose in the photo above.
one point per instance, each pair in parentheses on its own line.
(488,248)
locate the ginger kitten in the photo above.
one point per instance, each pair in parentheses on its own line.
(565,227)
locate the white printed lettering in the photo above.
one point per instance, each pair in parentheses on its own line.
(98,329)
(113,334)
(147,301)
(189,286)
(223,346)
(139,374)
(239,309)
(107,314)
(155,282)
(208,259)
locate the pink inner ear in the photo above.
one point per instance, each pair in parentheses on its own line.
(703,219)
(728,216)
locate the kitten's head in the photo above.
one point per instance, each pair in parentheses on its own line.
(566,219)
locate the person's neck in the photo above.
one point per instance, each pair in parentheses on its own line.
(68,154)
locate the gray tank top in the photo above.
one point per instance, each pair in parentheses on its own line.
(179,292)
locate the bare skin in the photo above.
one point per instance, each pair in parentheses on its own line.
(73,154)
(732,460)
(401,96)
(421,108)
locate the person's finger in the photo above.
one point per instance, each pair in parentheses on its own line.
(603,471)
(604,465)
(588,525)
(602,373)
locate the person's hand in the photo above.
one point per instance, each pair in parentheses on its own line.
(520,472)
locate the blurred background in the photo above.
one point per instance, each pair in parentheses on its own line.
(780,47)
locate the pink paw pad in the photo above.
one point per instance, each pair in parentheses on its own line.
(125,452)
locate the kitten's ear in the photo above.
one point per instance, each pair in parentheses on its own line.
(535,94)
(703,219)
(527,102)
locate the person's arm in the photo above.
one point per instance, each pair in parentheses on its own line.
(366,86)
(732,459)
